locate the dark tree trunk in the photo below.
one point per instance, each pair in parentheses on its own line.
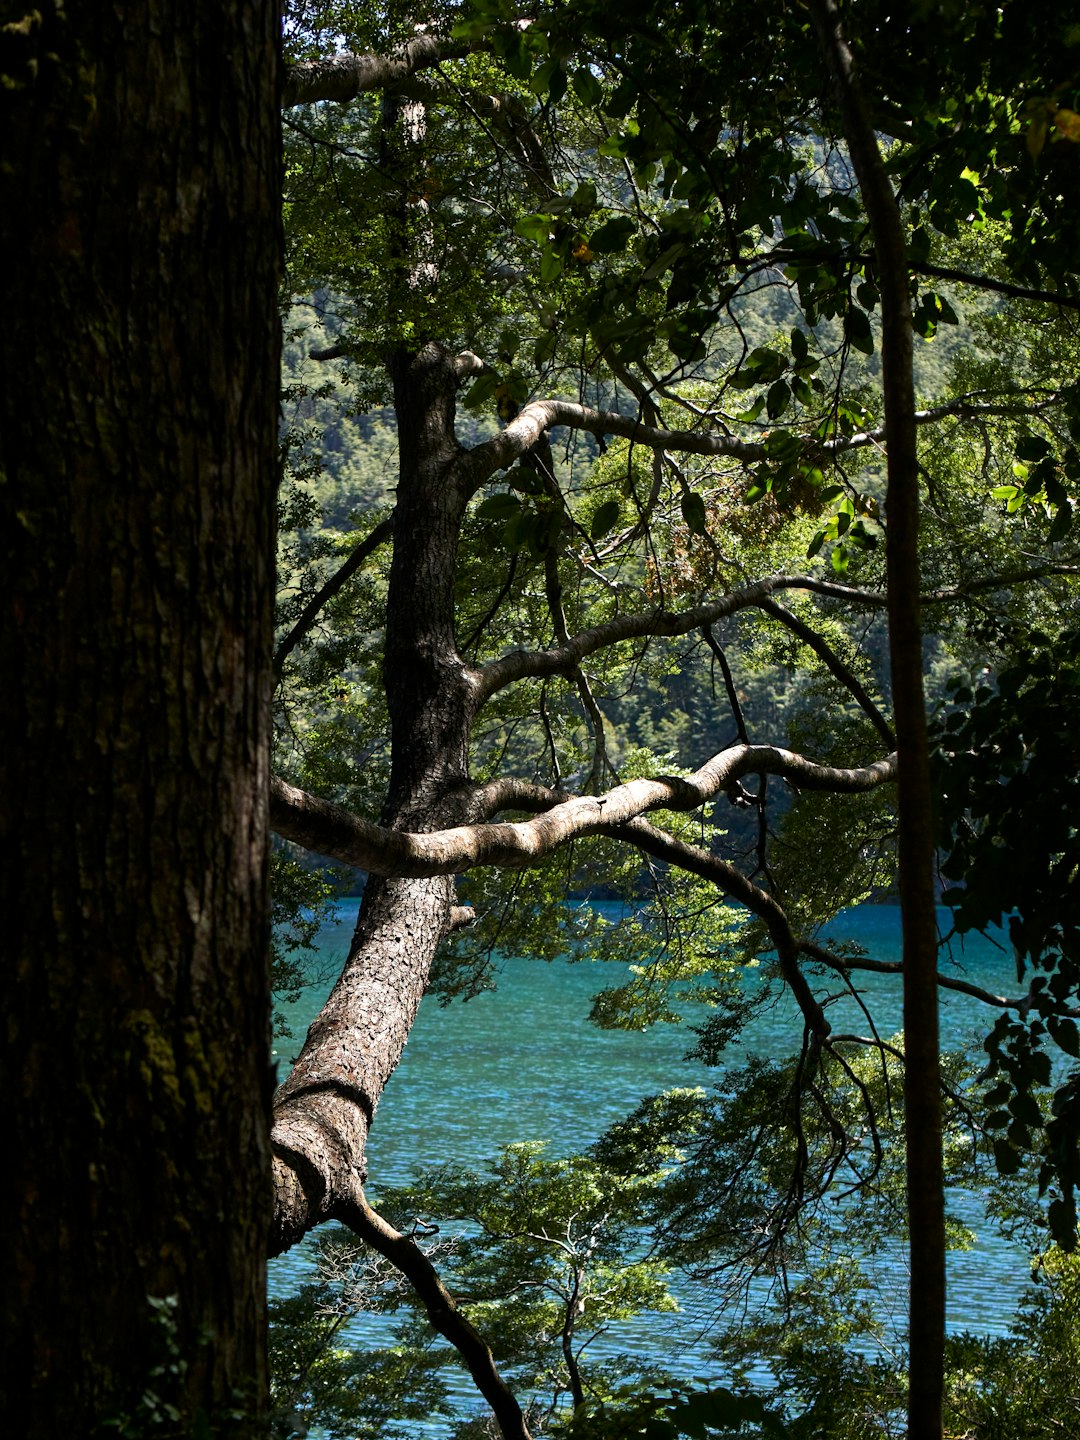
(922,1082)
(139,250)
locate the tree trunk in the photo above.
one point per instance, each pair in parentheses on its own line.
(922,1082)
(139,240)
(324,1109)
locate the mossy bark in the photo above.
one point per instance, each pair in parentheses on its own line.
(139,252)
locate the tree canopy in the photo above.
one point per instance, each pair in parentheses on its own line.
(721,345)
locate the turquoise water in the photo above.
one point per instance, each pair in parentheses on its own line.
(524,1063)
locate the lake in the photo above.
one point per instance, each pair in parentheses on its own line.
(524,1063)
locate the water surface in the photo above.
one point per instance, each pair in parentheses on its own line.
(524,1063)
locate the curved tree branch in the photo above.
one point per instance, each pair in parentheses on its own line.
(987,282)
(522,433)
(995,582)
(344,77)
(843,965)
(562,659)
(734,883)
(335,832)
(442,1309)
(840,256)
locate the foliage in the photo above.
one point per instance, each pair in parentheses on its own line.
(320,1378)
(302,903)
(654,213)
(546,1256)
(664,1415)
(1001,762)
(1017,1387)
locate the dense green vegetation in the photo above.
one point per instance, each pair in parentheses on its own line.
(623,283)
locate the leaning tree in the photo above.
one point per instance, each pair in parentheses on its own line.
(695,230)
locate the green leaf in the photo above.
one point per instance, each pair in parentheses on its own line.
(1032,447)
(552,265)
(623,99)
(509,340)
(753,411)
(779,398)
(500,506)
(605,518)
(583,200)
(526,480)
(613,236)
(550,79)
(1006,1158)
(684,337)
(693,511)
(587,87)
(857,331)
(534,227)
(1061,1217)
(545,533)
(515,52)
(481,390)
(919,244)
(518,531)
(545,347)
(1026,1109)
(665,261)
(1062,521)
(1065,1034)
(615,147)
(763,366)
(781,445)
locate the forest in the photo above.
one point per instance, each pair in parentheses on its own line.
(674,458)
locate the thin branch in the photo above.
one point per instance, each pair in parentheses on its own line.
(843,965)
(729,683)
(442,1309)
(561,659)
(844,258)
(995,582)
(337,582)
(834,664)
(734,883)
(987,282)
(485,620)
(593,715)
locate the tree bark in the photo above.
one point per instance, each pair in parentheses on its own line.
(324,1109)
(139,241)
(922,1085)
